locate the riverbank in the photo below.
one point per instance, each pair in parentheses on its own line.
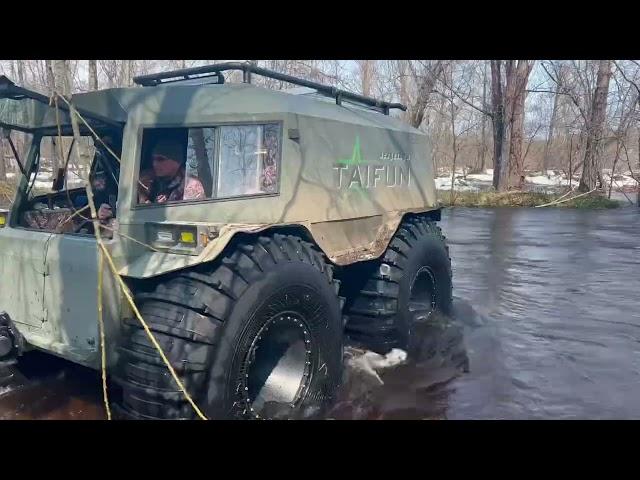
(540,188)
(523,199)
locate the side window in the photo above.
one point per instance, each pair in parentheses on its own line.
(248,160)
(211,162)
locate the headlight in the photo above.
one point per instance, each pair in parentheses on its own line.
(186,239)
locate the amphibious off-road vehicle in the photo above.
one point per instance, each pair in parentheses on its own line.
(317,226)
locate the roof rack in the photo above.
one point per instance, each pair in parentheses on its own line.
(248,69)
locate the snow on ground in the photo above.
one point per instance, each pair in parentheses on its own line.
(461,185)
(44,179)
(536,181)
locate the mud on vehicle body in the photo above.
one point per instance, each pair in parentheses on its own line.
(317,225)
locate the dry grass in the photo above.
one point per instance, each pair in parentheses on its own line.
(521,199)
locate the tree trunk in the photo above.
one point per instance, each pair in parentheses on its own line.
(483,149)
(454,147)
(552,125)
(51,83)
(404,90)
(570,162)
(425,84)
(591,175)
(62,85)
(517,134)
(615,163)
(93,75)
(502,94)
(3,165)
(518,91)
(497,120)
(61,80)
(507,98)
(21,79)
(126,73)
(366,76)
(204,170)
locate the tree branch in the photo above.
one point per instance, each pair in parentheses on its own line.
(481,110)
(625,77)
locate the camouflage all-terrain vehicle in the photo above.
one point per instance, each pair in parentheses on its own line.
(315,225)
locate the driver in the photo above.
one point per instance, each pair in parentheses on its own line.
(167,180)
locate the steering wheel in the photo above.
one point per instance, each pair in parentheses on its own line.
(85,221)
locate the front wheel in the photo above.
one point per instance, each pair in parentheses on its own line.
(258,336)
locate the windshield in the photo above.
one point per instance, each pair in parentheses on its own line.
(58,152)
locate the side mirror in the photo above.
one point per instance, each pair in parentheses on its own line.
(58,181)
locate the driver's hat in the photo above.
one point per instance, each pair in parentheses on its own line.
(170,148)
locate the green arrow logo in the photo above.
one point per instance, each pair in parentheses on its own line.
(356,155)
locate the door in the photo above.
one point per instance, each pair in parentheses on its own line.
(22,275)
(70,291)
(48,280)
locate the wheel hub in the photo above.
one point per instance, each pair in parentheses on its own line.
(277,367)
(422,299)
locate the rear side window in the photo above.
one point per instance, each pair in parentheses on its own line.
(247,160)
(216,162)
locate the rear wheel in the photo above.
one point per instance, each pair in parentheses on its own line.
(257,336)
(388,298)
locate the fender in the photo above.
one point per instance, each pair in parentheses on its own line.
(343,241)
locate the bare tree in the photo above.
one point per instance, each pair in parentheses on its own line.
(20,72)
(508,83)
(50,76)
(93,75)
(425,76)
(516,158)
(552,124)
(482,152)
(591,170)
(3,165)
(367,71)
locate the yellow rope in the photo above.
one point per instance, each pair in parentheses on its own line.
(123,286)
(72,216)
(112,230)
(127,294)
(103,349)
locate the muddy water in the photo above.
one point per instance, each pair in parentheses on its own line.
(547,326)
(44,387)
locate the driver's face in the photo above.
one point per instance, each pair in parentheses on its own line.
(165,166)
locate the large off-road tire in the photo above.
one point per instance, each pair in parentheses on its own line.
(257,335)
(388,297)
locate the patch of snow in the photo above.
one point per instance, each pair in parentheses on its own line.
(620,180)
(553,180)
(481,177)
(444,183)
(536,181)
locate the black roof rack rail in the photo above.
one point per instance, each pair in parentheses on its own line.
(247,69)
